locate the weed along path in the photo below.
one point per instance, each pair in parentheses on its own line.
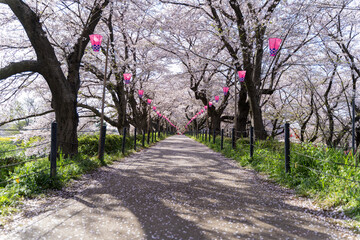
(177,189)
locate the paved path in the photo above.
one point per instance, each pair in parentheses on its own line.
(178,189)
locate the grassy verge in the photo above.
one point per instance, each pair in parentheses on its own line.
(327,175)
(32,178)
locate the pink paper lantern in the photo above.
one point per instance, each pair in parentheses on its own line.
(154,108)
(141,93)
(127,77)
(225,90)
(202,110)
(149,101)
(210,104)
(274,44)
(205,107)
(95,40)
(217,98)
(241,75)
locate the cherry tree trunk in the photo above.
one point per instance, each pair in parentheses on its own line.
(67,120)
(216,122)
(243,113)
(63,89)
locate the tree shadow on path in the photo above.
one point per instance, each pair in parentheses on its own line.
(180,189)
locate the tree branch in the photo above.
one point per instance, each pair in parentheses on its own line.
(19,67)
(74,58)
(97,113)
(26,117)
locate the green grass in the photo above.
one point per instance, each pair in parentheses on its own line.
(24,183)
(316,171)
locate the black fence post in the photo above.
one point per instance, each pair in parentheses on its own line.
(143,139)
(222,139)
(102,143)
(123,141)
(214,136)
(205,134)
(148,137)
(287,148)
(233,138)
(155,135)
(152,136)
(209,135)
(135,139)
(159,134)
(53,152)
(251,141)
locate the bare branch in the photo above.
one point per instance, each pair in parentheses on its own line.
(97,113)
(19,67)
(26,117)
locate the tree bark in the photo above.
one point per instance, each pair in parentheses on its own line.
(243,113)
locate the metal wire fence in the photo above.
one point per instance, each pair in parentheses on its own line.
(295,152)
(11,159)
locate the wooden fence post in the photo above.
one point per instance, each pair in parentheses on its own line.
(135,139)
(287,148)
(53,152)
(143,139)
(251,142)
(123,141)
(222,139)
(233,138)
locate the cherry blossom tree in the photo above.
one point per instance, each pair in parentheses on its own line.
(43,36)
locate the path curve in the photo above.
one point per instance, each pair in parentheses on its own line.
(177,189)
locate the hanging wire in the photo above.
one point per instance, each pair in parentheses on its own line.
(20,149)
(19,163)
(19,130)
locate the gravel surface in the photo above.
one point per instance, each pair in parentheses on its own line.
(177,189)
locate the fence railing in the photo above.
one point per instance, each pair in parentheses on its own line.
(290,149)
(52,150)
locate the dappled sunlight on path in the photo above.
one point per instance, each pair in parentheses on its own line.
(178,189)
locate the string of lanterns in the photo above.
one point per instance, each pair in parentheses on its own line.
(274,45)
